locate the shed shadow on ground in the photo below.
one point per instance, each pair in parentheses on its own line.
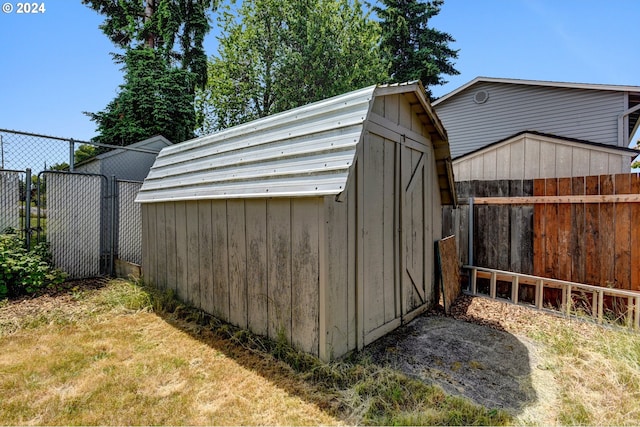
(219,336)
(485,364)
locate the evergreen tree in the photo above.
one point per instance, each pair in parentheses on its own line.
(163,61)
(412,49)
(279,54)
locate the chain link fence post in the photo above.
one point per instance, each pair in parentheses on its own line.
(27,210)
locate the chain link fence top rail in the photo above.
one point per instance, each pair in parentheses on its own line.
(88,217)
(23,150)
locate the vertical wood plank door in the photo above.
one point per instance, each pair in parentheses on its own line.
(376,246)
(397,233)
(414,218)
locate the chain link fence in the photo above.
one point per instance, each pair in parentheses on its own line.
(77,196)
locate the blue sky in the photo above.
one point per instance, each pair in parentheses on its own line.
(55,65)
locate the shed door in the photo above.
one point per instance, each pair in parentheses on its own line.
(394,229)
(415,263)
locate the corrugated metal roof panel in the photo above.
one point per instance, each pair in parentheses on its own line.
(301,152)
(307,151)
(289,186)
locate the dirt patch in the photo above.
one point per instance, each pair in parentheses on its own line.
(46,302)
(474,356)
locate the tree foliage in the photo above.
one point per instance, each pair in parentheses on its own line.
(163,61)
(279,54)
(412,49)
(84,152)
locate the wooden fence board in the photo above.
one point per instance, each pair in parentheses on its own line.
(607,229)
(564,231)
(634,262)
(463,234)
(622,212)
(516,228)
(592,233)
(480,234)
(527,230)
(577,250)
(551,230)
(539,236)
(502,218)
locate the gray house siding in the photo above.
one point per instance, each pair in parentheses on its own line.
(130,165)
(126,164)
(589,115)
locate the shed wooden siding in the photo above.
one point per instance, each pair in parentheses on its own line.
(531,156)
(253,263)
(588,115)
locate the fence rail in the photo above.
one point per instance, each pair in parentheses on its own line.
(575,298)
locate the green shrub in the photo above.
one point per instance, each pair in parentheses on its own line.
(24,272)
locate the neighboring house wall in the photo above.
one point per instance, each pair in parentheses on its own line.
(585,114)
(92,166)
(129,165)
(531,156)
(126,164)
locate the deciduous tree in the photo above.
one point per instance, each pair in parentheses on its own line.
(279,54)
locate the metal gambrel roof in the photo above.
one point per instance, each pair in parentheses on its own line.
(307,151)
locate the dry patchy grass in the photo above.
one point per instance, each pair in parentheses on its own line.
(123,354)
(117,353)
(104,358)
(596,367)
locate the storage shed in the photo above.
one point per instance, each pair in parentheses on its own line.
(532,155)
(317,224)
(131,163)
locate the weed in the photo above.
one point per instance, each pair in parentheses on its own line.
(22,271)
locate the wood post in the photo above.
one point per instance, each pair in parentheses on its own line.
(492,285)
(514,289)
(539,293)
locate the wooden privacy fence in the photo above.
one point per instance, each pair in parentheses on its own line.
(582,229)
